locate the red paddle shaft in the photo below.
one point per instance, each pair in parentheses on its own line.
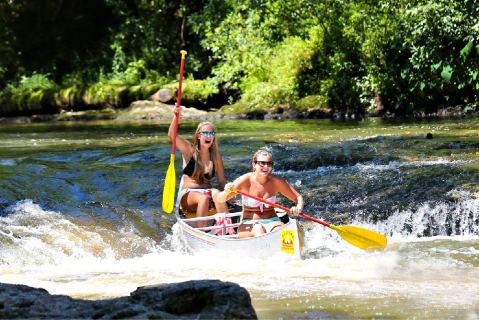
(178,102)
(302,215)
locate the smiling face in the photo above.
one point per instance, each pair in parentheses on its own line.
(205,140)
(262,163)
(206,135)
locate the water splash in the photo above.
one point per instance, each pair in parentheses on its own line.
(436,219)
(55,238)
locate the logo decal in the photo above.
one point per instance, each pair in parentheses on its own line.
(287,241)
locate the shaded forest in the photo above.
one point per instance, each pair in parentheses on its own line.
(320,57)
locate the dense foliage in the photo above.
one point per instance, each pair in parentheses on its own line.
(333,56)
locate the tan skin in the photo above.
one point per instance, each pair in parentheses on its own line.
(263,184)
(196,201)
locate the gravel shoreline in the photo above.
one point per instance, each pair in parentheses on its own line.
(154,110)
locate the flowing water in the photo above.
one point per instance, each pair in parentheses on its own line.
(80,214)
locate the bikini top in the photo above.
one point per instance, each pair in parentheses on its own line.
(250,202)
(190,168)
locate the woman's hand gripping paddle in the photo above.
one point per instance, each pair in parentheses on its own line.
(359,237)
(170,181)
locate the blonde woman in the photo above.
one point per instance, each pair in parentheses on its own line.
(259,218)
(201,163)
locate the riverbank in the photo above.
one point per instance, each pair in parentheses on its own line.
(155,110)
(138,110)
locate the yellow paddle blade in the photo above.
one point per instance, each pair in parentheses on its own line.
(169,188)
(362,238)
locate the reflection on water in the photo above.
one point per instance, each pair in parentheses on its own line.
(80,215)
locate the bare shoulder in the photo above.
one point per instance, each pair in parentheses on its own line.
(244,179)
(247,176)
(279,184)
(277,179)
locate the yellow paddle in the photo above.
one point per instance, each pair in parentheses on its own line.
(170,181)
(359,237)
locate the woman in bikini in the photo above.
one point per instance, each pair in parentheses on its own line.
(259,218)
(201,162)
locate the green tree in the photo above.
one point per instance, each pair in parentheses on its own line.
(433,59)
(240,33)
(55,36)
(10,60)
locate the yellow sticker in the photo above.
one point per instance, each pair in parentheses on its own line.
(287,241)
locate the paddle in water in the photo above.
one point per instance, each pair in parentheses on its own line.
(170,181)
(357,236)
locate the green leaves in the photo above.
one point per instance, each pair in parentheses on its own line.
(446,73)
(409,55)
(466,50)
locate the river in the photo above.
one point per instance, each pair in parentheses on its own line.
(80,214)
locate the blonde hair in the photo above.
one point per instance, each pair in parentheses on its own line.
(199,172)
(257,153)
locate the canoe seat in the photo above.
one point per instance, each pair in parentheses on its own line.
(192,214)
(232,206)
(225,227)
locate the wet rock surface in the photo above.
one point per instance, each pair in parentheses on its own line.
(202,299)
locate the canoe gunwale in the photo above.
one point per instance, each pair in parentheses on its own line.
(184,225)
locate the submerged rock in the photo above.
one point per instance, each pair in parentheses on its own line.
(202,299)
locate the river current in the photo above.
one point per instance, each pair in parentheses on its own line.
(80,214)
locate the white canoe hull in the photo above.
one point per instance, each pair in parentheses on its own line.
(287,240)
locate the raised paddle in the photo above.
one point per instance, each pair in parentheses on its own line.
(170,181)
(359,237)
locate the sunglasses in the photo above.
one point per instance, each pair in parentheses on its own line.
(265,163)
(208,133)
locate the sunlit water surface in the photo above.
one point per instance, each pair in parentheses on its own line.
(80,214)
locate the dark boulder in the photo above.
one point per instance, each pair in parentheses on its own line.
(202,299)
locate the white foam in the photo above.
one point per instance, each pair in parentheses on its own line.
(423,270)
(439,215)
(374,167)
(56,239)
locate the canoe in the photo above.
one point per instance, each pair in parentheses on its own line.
(287,240)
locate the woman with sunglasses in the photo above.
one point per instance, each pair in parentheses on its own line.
(259,218)
(201,162)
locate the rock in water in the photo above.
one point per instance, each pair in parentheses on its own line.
(163,95)
(198,299)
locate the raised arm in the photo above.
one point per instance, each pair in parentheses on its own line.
(183,145)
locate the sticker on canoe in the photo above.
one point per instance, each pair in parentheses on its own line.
(287,241)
